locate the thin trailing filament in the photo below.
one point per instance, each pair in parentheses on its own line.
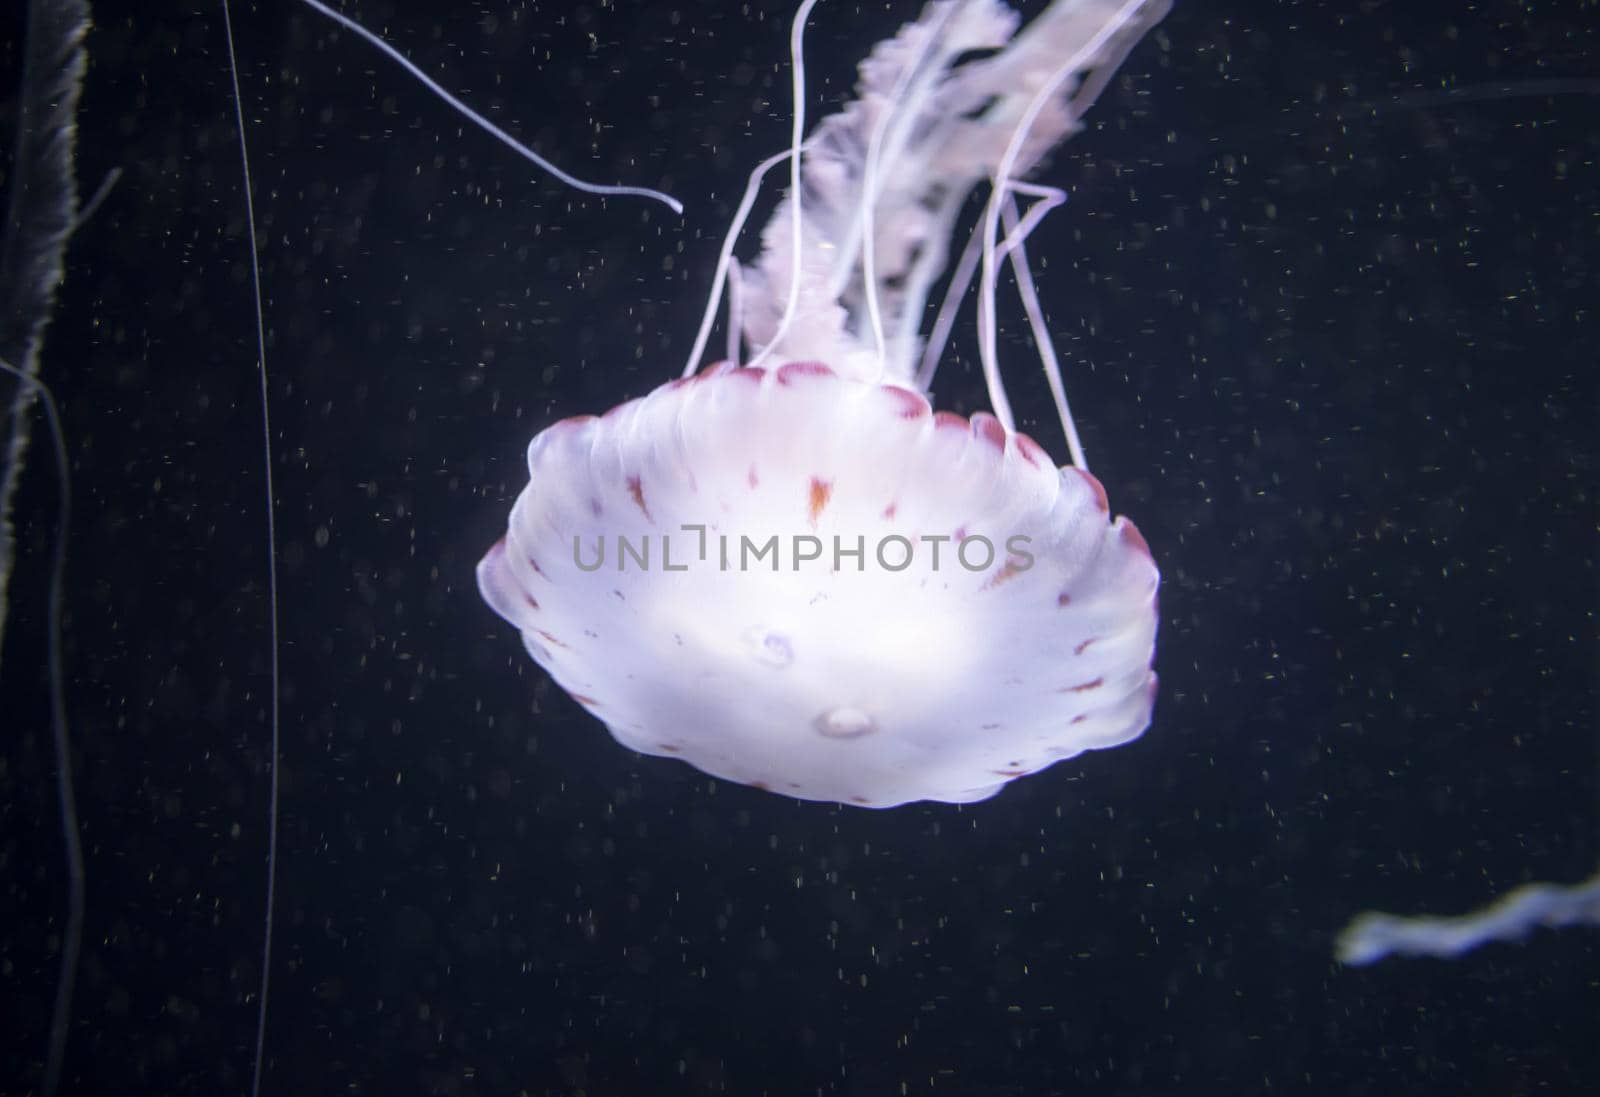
(487,126)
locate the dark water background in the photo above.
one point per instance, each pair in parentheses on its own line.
(1338,362)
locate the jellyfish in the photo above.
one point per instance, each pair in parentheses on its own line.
(791,571)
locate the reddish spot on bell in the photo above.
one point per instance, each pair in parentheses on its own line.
(821,491)
(1080,718)
(1099,490)
(1063,599)
(528,598)
(793,371)
(586,701)
(1083,687)
(762,785)
(636,489)
(595,508)
(671,748)
(1008,772)
(987,428)
(549,637)
(1032,452)
(888,512)
(908,404)
(949,420)
(534,564)
(1081,648)
(1007,570)
(1134,539)
(751,478)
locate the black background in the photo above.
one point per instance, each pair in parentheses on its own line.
(1331,334)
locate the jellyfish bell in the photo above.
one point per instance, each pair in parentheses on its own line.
(816,585)
(795,574)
